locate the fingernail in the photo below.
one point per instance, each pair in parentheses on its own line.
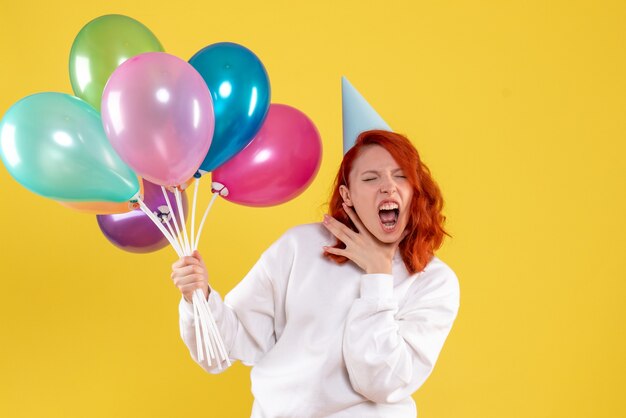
(325,219)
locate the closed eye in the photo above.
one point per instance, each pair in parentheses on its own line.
(370,179)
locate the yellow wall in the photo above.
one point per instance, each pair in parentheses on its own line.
(517,107)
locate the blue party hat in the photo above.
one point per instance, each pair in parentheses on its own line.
(358,115)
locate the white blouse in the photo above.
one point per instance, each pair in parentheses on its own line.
(326,340)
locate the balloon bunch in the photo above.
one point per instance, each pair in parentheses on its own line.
(144,120)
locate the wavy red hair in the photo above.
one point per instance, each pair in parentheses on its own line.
(425,225)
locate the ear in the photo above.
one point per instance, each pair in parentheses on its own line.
(345,195)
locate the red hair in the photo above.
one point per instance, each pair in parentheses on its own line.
(425,225)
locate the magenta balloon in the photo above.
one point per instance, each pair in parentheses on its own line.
(158,114)
(133,231)
(278,164)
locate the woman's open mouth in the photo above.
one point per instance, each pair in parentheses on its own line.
(388,212)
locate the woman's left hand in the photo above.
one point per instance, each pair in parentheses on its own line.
(363,248)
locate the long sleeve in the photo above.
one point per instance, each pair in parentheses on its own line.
(390,348)
(247,333)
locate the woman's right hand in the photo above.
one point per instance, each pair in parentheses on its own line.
(189,273)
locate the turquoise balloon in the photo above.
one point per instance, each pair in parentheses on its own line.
(240,88)
(54,145)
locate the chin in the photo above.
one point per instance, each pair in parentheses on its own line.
(387,239)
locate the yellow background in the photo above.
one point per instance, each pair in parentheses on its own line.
(518,109)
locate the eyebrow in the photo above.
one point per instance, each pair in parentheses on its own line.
(378,172)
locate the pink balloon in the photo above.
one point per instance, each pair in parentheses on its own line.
(277,165)
(158,114)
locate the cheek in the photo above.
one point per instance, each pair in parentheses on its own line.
(408,197)
(361,201)
(366,213)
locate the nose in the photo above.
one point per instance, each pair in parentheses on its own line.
(388,186)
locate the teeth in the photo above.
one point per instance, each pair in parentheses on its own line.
(389,226)
(388,206)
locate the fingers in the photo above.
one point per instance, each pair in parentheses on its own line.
(188,270)
(336,251)
(190,274)
(189,278)
(186,261)
(197,256)
(339,230)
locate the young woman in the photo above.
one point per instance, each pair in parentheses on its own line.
(346,317)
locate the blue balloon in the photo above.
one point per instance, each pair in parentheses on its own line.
(240,89)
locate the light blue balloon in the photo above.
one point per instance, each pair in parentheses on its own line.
(240,90)
(54,145)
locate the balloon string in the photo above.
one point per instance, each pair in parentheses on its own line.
(216,346)
(193,210)
(203,336)
(208,318)
(169,227)
(207,334)
(215,340)
(216,334)
(203,325)
(183,224)
(158,223)
(169,205)
(197,329)
(206,212)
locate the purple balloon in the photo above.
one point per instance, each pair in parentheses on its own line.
(277,165)
(134,231)
(158,114)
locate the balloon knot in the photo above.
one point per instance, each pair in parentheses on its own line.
(219,188)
